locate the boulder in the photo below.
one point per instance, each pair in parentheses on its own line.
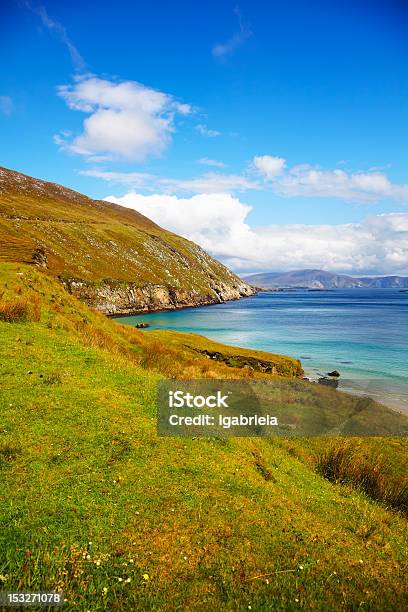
(329,382)
(40,257)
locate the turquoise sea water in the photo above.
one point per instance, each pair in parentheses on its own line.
(362,333)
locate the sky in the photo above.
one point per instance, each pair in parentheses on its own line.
(274,134)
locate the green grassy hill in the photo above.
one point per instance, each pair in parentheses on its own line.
(113,257)
(94,503)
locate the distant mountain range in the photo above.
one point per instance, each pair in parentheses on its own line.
(320,279)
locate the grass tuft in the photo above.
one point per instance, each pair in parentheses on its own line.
(14,311)
(19,310)
(53,379)
(342,463)
(9,452)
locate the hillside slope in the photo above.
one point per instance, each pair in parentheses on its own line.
(95,504)
(114,258)
(321,279)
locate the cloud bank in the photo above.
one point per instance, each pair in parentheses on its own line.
(305,180)
(269,173)
(209,182)
(218,222)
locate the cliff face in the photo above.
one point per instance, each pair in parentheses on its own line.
(113,258)
(113,298)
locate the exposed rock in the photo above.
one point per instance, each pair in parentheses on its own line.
(254,361)
(329,382)
(116,298)
(142,325)
(335,374)
(238,361)
(40,258)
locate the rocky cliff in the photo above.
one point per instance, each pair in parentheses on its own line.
(113,258)
(114,298)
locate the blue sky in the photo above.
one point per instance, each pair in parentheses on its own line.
(272,133)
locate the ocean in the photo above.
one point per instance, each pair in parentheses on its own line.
(362,333)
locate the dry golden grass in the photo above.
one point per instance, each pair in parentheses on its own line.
(342,463)
(34,308)
(12,311)
(97,241)
(20,309)
(251,363)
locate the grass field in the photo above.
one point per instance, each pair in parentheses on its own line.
(94,503)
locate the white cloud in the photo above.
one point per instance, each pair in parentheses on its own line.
(371,182)
(126,120)
(311,181)
(218,222)
(195,217)
(204,161)
(268,166)
(304,180)
(58,29)
(183,108)
(6,105)
(222,50)
(209,182)
(205,131)
(299,181)
(139,180)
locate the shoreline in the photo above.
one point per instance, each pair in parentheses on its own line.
(397,404)
(386,399)
(174,308)
(390,399)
